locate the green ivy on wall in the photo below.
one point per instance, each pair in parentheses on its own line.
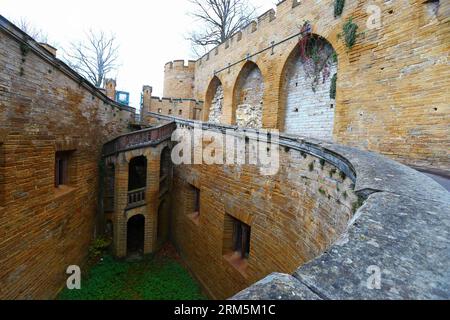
(333,87)
(349,33)
(338,7)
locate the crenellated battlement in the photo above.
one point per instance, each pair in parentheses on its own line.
(251,29)
(173,100)
(179,79)
(180,65)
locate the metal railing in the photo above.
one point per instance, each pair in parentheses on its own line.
(139,139)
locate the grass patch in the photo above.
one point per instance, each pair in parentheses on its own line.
(153,278)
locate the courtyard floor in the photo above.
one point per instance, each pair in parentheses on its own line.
(158,277)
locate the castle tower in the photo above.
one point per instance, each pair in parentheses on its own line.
(179,79)
(110,87)
(146,98)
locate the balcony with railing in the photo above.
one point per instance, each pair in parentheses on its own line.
(139,139)
(136,198)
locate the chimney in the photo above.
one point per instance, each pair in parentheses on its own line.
(49,48)
(110,87)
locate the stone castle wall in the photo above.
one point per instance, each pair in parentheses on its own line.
(178,107)
(45,107)
(294,216)
(392,95)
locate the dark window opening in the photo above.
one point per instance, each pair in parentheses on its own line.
(135,235)
(137,174)
(180,112)
(196,200)
(241,238)
(62,168)
(193,208)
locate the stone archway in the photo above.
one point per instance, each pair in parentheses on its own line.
(135,235)
(308,106)
(248,97)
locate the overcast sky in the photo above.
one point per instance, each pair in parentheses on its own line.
(150,33)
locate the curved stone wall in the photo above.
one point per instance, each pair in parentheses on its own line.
(401,234)
(313,226)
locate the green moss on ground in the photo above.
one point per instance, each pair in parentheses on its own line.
(153,278)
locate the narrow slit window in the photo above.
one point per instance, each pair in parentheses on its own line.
(196,200)
(61,168)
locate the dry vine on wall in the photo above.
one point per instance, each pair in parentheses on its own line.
(316,56)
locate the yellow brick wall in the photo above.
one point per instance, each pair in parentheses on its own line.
(294,216)
(392,89)
(44,229)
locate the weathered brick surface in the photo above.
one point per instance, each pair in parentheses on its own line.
(43,230)
(392,88)
(309,112)
(294,216)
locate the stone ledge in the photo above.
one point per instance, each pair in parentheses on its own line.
(277,286)
(403,229)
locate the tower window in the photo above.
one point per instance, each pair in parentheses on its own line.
(62,168)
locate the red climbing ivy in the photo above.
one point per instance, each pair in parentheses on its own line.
(315,56)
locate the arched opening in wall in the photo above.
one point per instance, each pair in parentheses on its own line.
(163,227)
(308,90)
(214,101)
(135,235)
(137,181)
(248,96)
(108,194)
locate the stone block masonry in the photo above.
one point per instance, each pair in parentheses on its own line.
(294,216)
(45,107)
(392,88)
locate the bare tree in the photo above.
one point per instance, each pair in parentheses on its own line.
(95,57)
(32,31)
(219,20)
